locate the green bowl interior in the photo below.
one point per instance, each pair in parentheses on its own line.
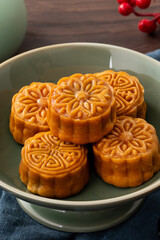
(48,65)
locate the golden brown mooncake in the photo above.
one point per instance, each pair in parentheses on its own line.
(81,109)
(129,155)
(29,111)
(129,93)
(53,168)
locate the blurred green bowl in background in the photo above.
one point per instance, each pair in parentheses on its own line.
(13,25)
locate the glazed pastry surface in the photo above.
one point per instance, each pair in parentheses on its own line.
(53,168)
(129,155)
(129,93)
(29,111)
(82,109)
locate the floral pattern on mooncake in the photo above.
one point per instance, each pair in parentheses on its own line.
(53,168)
(129,138)
(129,155)
(29,111)
(81,96)
(129,93)
(82,109)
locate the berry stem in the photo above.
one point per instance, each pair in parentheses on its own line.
(144,14)
(127,7)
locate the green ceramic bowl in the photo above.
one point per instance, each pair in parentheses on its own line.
(13,25)
(49,64)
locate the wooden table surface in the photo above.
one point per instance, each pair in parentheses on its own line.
(62,21)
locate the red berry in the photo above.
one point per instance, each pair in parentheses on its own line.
(122,1)
(132,3)
(143,3)
(147,26)
(125,9)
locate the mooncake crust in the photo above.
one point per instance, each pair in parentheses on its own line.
(29,111)
(129,93)
(82,109)
(129,155)
(53,168)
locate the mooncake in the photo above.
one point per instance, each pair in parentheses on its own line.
(129,155)
(81,109)
(29,111)
(53,168)
(129,93)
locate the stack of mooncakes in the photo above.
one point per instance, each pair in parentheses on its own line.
(56,122)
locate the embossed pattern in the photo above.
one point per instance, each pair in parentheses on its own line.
(49,155)
(129,93)
(129,138)
(31,103)
(81,96)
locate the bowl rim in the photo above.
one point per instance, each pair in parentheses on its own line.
(70,204)
(80,205)
(82,44)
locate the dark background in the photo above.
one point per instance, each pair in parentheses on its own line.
(62,21)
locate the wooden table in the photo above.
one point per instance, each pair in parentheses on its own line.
(62,21)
